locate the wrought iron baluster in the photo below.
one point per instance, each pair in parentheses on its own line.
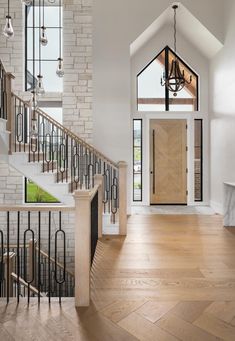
(31,261)
(18,256)
(61,280)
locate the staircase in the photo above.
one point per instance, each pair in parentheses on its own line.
(86,182)
(50,155)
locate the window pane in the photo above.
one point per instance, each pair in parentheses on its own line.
(137,160)
(137,133)
(137,187)
(35,194)
(51,51)
(198,174)
(52,83)
(55,113)
(51,18)
(151,95)
(186,99)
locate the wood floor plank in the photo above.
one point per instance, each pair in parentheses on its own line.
(105,330)
(190,310)
(223,310)
(144,330)
(216,327)
(154,310)
(120,309)
(4,336)
(183,330)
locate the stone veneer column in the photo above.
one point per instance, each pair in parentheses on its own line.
(77,96)
(12,56)
(12,50)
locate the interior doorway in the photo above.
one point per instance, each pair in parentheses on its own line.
(168,161)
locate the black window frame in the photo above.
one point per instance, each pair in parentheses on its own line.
(167,49)
(26,40)
(141,161)
(201,158)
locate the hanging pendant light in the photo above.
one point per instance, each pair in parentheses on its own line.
(43,36)
(40,88)
(8,29)
(26,2)
(60,67)
(51,1)
(175,80)
(33,102)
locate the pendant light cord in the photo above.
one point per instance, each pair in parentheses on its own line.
(39,37)
(34,58)
(60,28)
(33,44)
(8,8)
(175,29)
(43,13)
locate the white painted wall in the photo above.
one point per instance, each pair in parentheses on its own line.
(222,107)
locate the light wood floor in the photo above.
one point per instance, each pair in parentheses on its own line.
(171,278)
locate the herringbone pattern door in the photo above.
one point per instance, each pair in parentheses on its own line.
(168,155)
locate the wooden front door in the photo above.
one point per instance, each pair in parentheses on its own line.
(168,155)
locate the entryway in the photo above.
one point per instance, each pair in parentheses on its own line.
(168,161)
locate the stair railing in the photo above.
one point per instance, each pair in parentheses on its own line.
(61,152)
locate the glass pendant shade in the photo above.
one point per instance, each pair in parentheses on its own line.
(34,130)
(33,104)
(43,37)
(51,1)
(26,2)
(60,68)
(8,29)
(40,88)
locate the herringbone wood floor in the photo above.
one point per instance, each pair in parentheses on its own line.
(171,278)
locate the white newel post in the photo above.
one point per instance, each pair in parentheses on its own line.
(82,248)
(122,166)
(83,200)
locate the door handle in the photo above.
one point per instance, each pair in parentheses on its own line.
(153,171)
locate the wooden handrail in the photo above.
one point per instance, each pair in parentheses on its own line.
(25,284)
(70,133)
(4,69)
(53,261)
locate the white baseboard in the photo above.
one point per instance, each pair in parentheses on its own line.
(217,207)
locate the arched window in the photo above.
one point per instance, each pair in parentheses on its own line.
(151,96)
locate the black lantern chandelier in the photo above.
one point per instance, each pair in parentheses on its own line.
(175,80)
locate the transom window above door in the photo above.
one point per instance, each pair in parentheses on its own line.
(152,96)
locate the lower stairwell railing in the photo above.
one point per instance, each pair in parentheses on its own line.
(33,253)
(34,256)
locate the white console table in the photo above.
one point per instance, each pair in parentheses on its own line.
(229,204)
